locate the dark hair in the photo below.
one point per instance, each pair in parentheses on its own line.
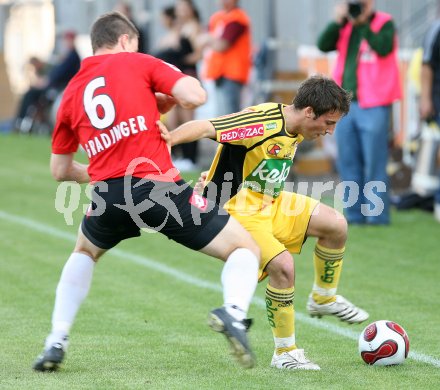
(109,27)
(323,95)
(169,12)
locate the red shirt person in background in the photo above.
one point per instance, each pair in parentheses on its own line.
(110,108)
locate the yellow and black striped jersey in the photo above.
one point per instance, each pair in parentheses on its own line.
(253,159)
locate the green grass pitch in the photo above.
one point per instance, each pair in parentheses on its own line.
(143,325)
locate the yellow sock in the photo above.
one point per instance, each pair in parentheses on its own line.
(281,316)
(328,267)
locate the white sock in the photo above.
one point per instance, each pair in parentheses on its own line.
(239,280)
(73,287)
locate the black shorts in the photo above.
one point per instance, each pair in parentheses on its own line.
(121,207)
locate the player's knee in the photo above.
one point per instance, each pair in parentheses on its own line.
(85,246)
(339,228)
(281,269)
(287,270)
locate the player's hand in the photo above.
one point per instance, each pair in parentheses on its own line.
(200,185)
(165,134)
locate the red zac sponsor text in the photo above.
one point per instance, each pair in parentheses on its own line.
(242,133)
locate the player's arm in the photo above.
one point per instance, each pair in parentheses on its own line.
(168,79)
(188,132)
(64,168)
(188,92)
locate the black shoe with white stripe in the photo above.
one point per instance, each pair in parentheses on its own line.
(235,331)
(50,359)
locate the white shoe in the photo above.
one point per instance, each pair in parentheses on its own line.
(293,360)
(341,308)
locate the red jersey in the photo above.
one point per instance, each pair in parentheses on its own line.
(109,107)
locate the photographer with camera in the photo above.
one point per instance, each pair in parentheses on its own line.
(366,65)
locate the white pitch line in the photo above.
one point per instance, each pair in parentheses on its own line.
(182,276)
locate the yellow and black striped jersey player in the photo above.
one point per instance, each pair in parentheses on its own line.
(247,176)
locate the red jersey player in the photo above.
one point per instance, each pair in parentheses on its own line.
(110,108)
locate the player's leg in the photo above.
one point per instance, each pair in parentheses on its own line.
(330,227)
(278,265)
(234,245)
(199,224)
(96,234)
(73,287)
(281,314)
(280,301)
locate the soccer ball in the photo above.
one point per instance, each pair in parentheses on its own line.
(383,343)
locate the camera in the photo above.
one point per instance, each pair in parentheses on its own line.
(355,8)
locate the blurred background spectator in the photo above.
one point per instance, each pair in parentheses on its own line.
(38,70)
(228,57)
(430,99)
(366,65)
(190,28)
(180,47)
(37,100)
(172,47)
(125,8)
